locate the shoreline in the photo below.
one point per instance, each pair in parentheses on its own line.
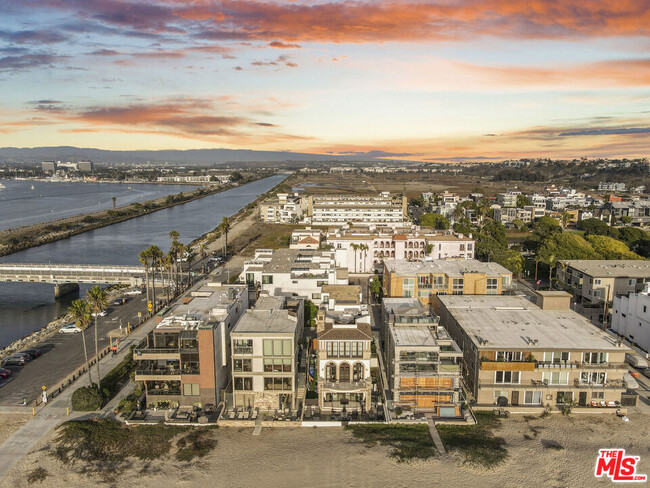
(22,238)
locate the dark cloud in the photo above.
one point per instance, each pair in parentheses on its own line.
(607,131)
(33,37)
(376,153)
(27,61)
(282,45)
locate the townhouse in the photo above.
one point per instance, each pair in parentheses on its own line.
(341,209)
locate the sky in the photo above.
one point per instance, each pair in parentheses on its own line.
(410,79)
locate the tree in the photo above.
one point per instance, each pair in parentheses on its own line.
(156,261)
(114,201)
(609,248)
(145,260)
(597,227)
(626,219)
(203,252)
(224,227)
(375,287)
(510,259)
(496,230)
(236,176)
(175,251)
(355,247)
(436,221)
(80,311)
(98,300)
(523,201)
(546,227)
(364,250)
(565,218)
(457,214)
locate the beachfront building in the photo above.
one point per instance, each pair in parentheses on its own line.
(520,354)
(185,359)
(341,209)
(426,279)
(343,353)
(265,355)
(364,250)
(307,238)
(422,360)
(293,272)
(631,317)
(594,281)
(284,208)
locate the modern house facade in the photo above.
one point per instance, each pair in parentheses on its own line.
(265,355)
(185,360)
(631,317)
(516,353)
(422,360)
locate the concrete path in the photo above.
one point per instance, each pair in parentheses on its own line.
(436,437)
(258,426)
(54,412)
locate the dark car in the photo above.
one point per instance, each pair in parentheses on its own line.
(119,301)
(646,372)
(15,360)
(34,353)
(4,372)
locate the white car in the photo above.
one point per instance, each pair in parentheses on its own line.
(103,313)
(69,329)
(134,292)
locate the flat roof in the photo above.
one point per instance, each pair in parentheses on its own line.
(415,336)
(513,322)
(457,268)
(266,322)
(611,268)
(284,260)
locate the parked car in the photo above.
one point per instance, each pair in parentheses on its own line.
(119,301)
(15,360)
(646,372)
(69,329)
(103,313)
(636,361)
(134,292)
(4,373)
(34,353)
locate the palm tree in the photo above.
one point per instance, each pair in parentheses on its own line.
(156,260)
(168,264)
(175,251)
(457,214)
(203,251)
(98,300)
(80,311)
(364,250)
(191,256)
(565,218)
(356,248)
(224,226)
(145,259)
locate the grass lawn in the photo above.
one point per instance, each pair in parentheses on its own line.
(408,442)
(477,443)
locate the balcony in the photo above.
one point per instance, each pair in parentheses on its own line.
(242,350)
(343,385)
(449,368)
(510,287)
(507,366)
(150,373)
(611,384)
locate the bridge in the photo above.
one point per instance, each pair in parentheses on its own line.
(66,277)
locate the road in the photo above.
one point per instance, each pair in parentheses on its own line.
(63,354)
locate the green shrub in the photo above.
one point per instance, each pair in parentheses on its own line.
(37,475)
(87,399)
(408,441)
(197,443)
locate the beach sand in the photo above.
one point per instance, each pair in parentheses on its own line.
(331,457)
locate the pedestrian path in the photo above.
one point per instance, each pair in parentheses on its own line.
(436,437)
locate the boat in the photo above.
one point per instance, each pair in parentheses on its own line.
(129,187)
(32,188)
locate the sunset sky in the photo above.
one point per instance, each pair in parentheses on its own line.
(420,80)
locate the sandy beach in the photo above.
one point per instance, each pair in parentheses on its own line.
(331,457)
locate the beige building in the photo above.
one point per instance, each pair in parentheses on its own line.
(516,353)
(344,380)
(265,344)
(284,208)
(422,360)
(341,209)
(426,279)
(594,281)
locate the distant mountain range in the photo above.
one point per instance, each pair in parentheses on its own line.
(193,156)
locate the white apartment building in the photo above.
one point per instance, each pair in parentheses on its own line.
(508,199)
(293,272)
(631,317)
(363,251)
(341,209)
(284,208)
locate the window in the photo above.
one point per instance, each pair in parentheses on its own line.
(277,384)
(457,286)
(330,372)
(462,247)
(506,377)
(597,395)
(597,293)
(631,282)
(424,293)
(595,357)
(510,356)
(245,384)
(344,372)
(267,279)
(598,281)
(243,365)
(439,282)
(243,346)
(564,396)
(556,357)
(505,280)
(500,393)
(533,397)
(277,347)
(645,309)
(556,377)
(424,281)
(594,378)
(408,287)
(277,365)
(357,372)
(492,286)
(356,349)
(250,278)
(191,389)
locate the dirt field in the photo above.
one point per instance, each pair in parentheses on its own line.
(551,452)
(411,184)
